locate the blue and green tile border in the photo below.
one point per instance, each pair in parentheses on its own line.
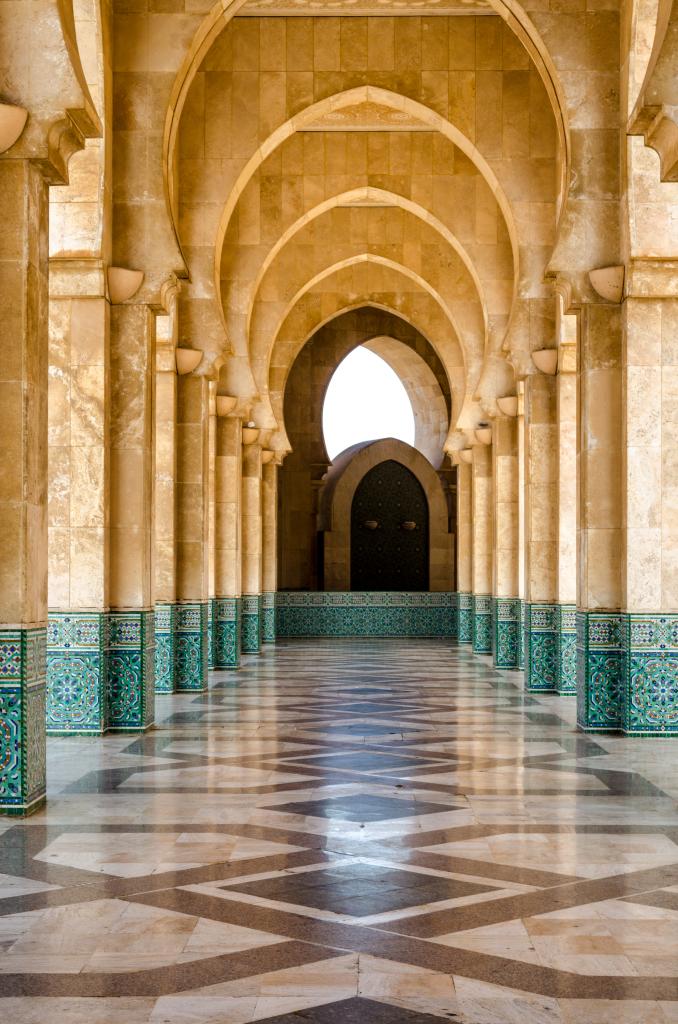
(227,632)
(22,719)
(599,671)
(649,670)
(190,645)
(211,611)
(521,634)
(131,671)
(567,649)
(541,647)
(164,648)
(464,618)
(268,617)
(250,638)
(77,673)
(482,624)
(506,629)
(366,614)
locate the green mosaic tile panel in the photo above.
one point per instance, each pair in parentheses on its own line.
(250,638)
(164,648)
(190,646)
(268,618)
(23,673)
(227,635)
(567,649)
(482,624)
(599,668)
(541,647)
(77,670)
(131,671)
(506,624)
(521,635)
(649,686)
(366,613)
(210,633)
(464,618)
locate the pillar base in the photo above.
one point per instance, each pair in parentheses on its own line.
(268,630)
(541,647)
(164,648)
(227,634)
(482,624)
(464,618)
(131,671)
(251,624)
(77,670)
(210,632)
(521,635)
(567,649)
(22,719)
(599,671)
(506,626)
(190,645)
(649,670)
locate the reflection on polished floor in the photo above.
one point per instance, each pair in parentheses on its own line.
(348,832)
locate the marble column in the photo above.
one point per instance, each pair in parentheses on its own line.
(599,518)
(23,490)
(269,524)
(566,401)
(464,554)
(505,600)
(228,544)
(520,426)
(251,548)
(131,669)
(78,505)
(541,534)
(481,495)
(165,498)
(190,636)
(211,521)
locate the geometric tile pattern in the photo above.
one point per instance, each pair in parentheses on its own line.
(131,671)
(227,628)
(22,719)
(465,618)
(359,832)
(482,624)
(506,622)
(268,618)
(211,612)
(366,613)
(164,648)
(251,624)
(649,689)
(599,670)
(77,668)
(521,635)
(567,649)
(541,647)
(191,645)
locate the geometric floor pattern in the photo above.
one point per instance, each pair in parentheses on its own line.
(348,832)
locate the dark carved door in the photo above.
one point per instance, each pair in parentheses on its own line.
(389,531)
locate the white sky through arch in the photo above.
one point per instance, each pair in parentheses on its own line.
(365,401)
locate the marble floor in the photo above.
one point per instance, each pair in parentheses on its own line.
(348,832)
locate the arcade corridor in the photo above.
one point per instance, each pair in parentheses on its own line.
(383,832)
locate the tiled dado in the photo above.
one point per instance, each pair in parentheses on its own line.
(164,648)
(250,638)
(22,719)
(521,634)
(482,624)
(227,632)
(190,645)
(77,671)
(382,613)
(541,647)
(649,699)
(464,618)
(567,649)
(210,632)
(131,671)
(268,618)
(506,627)
(599,671)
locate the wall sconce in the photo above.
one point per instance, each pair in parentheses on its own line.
(225,404)
(546,360)
(250,432)
(188,359)
(123,283)
(508,405)
(484,434)
(466,455)
(12,123)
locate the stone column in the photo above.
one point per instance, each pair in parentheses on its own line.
(505,601)
(23,494)
(520,426)
(211,520)
(228,546)
(481,492)
(269,545)
(541,532)
(131,675)
(566,402)
(78,501)
(599,518)
(464,554)
(191,655)
(165,589)
(251,548)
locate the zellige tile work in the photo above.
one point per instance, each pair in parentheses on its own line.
(348,832)
(366,613)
